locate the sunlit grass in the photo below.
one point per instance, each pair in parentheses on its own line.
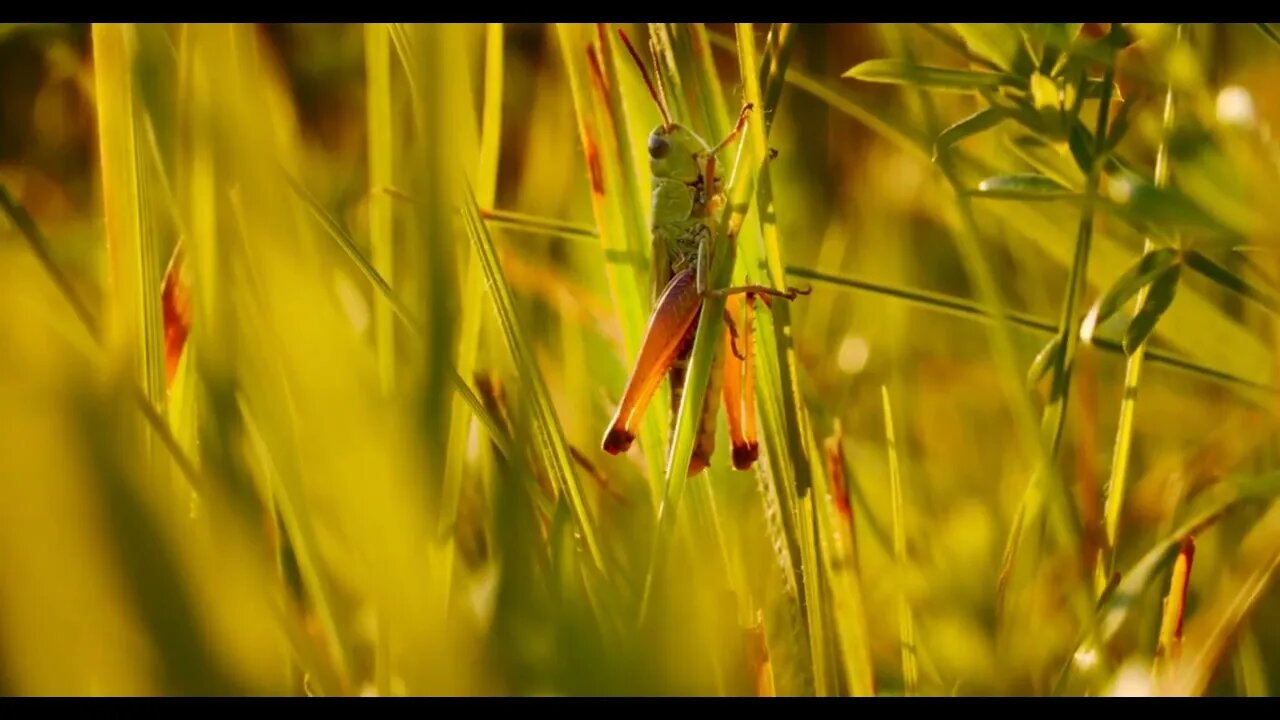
(1019,439)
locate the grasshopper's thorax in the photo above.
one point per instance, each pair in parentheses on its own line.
(681,192)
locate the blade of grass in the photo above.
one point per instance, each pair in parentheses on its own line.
(380,131)
(940,302)
(378,109)
(785,423)
(1218,332)
(1117,608)
(785,518)
(980,271)
(906,620)
(348,245)
(1114,491)
(550,435)
(617,204)
(959,307)
(1269,32)
(298,522)
(1226,278)
(472,305)
(39,245)
(1210,632)
(839,551)
(1251,669)
(134,256)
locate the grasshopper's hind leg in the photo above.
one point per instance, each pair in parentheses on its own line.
(739,386)
(676,312)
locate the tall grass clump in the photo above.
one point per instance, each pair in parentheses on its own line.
(313,334)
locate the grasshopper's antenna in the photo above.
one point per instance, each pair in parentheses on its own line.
(658,97)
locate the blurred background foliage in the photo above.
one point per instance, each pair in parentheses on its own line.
(376,466)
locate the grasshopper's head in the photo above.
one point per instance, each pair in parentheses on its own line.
(674,151)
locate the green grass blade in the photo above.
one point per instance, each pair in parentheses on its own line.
(1114,493)
(1212,270)
(1246,357)
(906,620)
(1064,505)
(378,108)
(38,244)
(960,307)
(897,72)
(1117,609)
(1268,31)
(472,309)
(550,435)
(406,315)
(135,258)
(785,424)
(1134,281)
(1159,297)
(1023,187)
(1210,633)
(979,122)
(618,206)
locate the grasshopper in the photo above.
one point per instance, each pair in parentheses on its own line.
(687,196)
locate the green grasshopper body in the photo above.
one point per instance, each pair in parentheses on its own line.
(687,196)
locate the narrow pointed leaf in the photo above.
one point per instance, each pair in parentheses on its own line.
(1270,32)
(1080,141)
(1125,287)
(1024,186)
(1152,308)
(1043,360)
(896,72)
(1230,280)
(976,123)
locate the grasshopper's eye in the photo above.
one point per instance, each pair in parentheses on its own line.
(658,146)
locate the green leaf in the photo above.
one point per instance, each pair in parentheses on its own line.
(1045,158)
(1269,31)
(976,123)
(1153,306)
(1058,35)
(1117,608)
(1080,141)
(897,72)
(1161,556)
(1156,208)
(1230,280)
(344,240)
(550,434)
(1023,186)
(1121,126)
(1000,43)
(1043,360)
(1147,269)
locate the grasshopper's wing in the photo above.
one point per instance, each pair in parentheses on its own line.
(672,318)
(739,389)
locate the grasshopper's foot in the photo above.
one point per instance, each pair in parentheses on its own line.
(744,456)
(617,440)
(698,462)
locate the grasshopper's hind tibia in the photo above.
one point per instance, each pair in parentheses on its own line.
(672,319)
(739,382)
